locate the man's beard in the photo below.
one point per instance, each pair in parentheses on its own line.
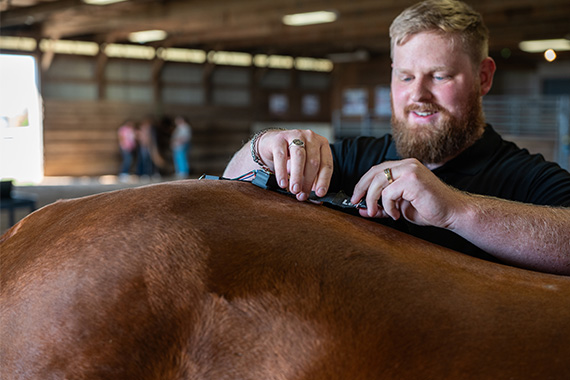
(436,143)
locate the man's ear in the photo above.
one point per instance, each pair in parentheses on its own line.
(486,72)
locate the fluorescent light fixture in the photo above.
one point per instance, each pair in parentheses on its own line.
(229,58)
(540,46)
(309,18)
(147,36)
(274,61)
(288,62)
(17,43)
(69,47)
(181,55)
(102,2)
(129,51)
(313,64)
(261,60)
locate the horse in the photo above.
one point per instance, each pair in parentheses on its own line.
(224,280)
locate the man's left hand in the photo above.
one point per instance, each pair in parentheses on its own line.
(413,192)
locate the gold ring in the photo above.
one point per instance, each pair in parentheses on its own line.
(297,142)
(388,174)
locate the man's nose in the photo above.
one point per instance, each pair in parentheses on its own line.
(421,90)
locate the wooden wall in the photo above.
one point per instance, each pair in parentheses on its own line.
(84,105)
(80,137)
(366,75)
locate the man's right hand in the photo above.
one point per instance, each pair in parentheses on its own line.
(298,168)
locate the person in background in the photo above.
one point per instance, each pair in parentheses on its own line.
(147,146)
(127,145)
(444,174)
(180,144)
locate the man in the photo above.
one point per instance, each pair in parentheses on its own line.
(444,176)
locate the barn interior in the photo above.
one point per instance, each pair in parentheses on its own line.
(235,67)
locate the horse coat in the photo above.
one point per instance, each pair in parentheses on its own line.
(223,280)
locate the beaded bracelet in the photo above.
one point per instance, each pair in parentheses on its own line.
(255,152)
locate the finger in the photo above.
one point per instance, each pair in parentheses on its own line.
(297,156)
(391,198)
(379,214)
(373,195)
(280,157)
(361,187)
(410,213)
(366,182)
(325,172)
(312,164)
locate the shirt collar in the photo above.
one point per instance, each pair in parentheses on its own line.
(473,159)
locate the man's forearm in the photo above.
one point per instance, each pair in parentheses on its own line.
(529,236)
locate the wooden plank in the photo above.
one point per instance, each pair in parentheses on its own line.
(80,138)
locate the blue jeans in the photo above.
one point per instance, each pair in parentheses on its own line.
(180,155)
(127,161)
(145,165)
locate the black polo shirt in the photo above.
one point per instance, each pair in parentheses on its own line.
(491,166)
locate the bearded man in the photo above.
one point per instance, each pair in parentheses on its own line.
(443,175)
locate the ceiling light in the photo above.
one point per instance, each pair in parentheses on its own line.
(69,47)
(129,51)
(274,61)
(17,43)
(182,55)
(550,55)
(147,36)
(102,2)
(313,64)
(309,18)
(540,46)
(229,58)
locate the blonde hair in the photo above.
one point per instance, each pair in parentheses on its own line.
(446,17)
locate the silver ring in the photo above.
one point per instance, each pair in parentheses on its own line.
(297,142)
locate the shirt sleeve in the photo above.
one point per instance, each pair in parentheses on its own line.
(501,169)
(529,178)
(550,184)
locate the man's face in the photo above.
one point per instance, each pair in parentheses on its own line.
(436,99)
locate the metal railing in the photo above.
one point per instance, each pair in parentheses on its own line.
(542,118)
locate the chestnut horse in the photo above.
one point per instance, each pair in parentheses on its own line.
(224,280)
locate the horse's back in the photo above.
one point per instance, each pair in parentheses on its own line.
(212,279)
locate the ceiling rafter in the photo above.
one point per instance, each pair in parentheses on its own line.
(255,25)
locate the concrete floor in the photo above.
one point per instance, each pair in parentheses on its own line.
(52,189)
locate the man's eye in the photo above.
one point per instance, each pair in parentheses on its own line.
(440,77)
(406,79)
